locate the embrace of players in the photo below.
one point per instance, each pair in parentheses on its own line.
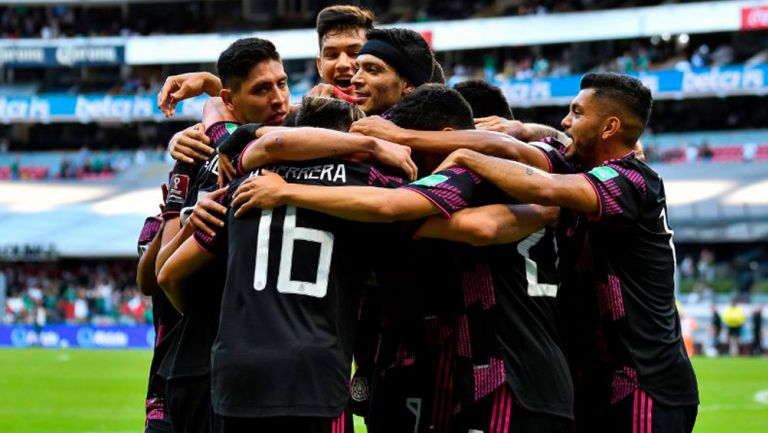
(481,274)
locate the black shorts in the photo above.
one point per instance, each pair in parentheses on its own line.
(734,332)
(157,419)
(341,424)
(416,398)
(498,413)
(638,413)
(189,404)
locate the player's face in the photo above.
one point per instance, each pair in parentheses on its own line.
(337,60)
(583,124)
(263,97)
(377,86)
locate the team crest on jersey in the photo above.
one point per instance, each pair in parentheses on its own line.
(359,389)
(603,173)
(430,181)
(231,127)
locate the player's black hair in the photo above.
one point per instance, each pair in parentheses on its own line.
(438,75)
(329,113)
(236,62)
(339,18)
(629,93)
(412,45)
(432,107)
(484,98)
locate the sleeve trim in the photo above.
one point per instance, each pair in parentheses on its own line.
(204,247)
(442,209)
(550,167)
(599,215)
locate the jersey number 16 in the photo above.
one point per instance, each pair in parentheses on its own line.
(291,234)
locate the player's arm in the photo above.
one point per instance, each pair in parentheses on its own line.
(490,225)
(445,142)
(185,261)
(357,203)
(180,87)
(528,184)
(523,131)
(146,279)
(303,144)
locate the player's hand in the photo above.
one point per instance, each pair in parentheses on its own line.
(377,126)
(227,171)
(322,89)
(513,128)
(457,158)
(208,213)
(396,155)
(190,144)
(262,192)
(180,87)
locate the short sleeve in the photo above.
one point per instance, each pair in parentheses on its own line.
(450,190)
(554,151)
(148,232)
(219,131)
(620,189)
(216,245)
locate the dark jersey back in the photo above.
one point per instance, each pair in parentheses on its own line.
(288,313)
(164,318)
(507,329)
(622,260)
(190,352)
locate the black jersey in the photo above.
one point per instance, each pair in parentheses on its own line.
(507,330)
(190,352)
(164,317)
(623,261)
(295,278)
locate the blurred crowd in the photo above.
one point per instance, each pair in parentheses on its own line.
(198,16)
(73,293)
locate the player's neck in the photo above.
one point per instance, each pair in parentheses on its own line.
(607,152)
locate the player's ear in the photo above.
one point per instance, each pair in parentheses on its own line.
(226,97)
(611,127)
(447,128)
(317,65)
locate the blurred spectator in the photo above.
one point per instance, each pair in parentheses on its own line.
(716,327)
(750,151)
(94,292)
(706,266)
(757,330)
(701,294)
(687,267)
(705,152)
(734,318)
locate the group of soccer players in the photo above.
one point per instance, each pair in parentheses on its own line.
(481,274)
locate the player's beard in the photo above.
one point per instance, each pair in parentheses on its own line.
(581,149)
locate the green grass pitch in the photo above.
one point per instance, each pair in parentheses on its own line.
(101,391)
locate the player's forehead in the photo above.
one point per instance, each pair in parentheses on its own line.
(369,60)
(268,71)
(341,39)
(583,100)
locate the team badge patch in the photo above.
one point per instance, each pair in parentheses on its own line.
(430,181)
(359,389)
(177,188)
(231,127)
(603,173)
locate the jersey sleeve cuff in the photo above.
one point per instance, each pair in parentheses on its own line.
(599,214)
(445,212)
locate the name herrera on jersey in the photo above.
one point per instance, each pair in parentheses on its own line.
(334,173)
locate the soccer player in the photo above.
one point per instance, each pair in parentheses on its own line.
(485,99)
(164,318)
(281,360)
(620,257)
(255,90)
